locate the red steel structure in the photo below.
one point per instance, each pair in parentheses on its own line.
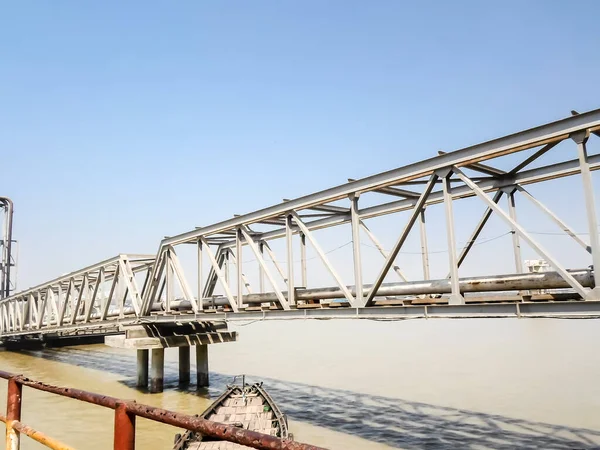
(125,415)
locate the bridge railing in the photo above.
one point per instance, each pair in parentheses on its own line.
(125,417)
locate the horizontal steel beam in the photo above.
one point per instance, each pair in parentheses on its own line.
(397,192)
(488,170)
(572,309)
(565,309)
(329,209)
(532,176)
(575,113)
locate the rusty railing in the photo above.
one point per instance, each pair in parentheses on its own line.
(125,414)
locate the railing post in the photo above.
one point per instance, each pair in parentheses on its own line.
(13,412)
(124,428)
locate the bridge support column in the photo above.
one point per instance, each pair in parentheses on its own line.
(202,365)
(155,338)
(157,370)
(184,365)
(142,368)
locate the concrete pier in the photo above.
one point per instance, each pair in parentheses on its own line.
(142,368)
(157,370)
(156,337)
(184,365)
(202,365)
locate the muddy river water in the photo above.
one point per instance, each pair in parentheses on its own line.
(357,384)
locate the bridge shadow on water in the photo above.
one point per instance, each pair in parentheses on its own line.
(391,421)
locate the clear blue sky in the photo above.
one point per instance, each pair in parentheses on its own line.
(122,122)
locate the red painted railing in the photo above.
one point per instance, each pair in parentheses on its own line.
(125,414)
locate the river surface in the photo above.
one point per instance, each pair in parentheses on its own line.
(357,384)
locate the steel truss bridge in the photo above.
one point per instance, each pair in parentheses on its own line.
(158,288)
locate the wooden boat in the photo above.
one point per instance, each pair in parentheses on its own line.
(247,406)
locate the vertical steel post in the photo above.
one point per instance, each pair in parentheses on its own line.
(200,290)
(226,266)
(122,293)
(238,266)
(290,259)
(455,297)
(142,368)
(580,139)
(28,311)
(13,412)
(261,271)
(184,365)
(355,221)
(424,248)
(202,378)
(169,282)
(124,433)
(303,259)
(515,237)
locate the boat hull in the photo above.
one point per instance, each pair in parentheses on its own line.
(247,406)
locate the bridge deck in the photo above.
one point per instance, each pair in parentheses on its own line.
(563,309)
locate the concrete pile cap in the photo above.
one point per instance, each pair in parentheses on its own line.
(171,335)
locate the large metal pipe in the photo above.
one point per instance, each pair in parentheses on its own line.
(6,250)
(127,311)
(514,282)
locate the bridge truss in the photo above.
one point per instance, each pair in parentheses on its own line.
(96,298)
(188,291)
